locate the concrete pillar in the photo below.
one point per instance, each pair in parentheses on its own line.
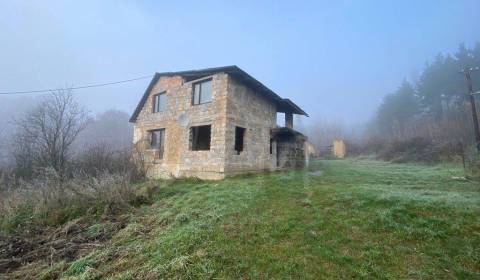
(289,120)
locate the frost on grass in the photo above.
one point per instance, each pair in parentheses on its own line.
(449,198)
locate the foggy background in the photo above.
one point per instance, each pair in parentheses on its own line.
(336,60)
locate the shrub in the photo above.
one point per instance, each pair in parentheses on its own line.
(96,181)
(50,199)
(98,159)
(421,150)
(368,147)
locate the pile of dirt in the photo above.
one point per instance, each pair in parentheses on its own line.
(44,247)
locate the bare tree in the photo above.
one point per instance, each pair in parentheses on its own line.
(46,133)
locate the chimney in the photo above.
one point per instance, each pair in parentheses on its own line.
(289,120)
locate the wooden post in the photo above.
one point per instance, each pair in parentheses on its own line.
(476,128)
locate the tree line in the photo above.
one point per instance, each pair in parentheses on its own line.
(57,133)
(435,105)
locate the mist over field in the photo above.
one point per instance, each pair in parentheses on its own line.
(239,139)
(336,60)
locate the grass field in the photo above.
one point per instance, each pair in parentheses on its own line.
(359,219)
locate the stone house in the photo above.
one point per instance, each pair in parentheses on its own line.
(213,123)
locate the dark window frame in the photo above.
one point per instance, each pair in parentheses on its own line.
(239,139)
(156,102)
(195,141)
(160,145)
(200,93)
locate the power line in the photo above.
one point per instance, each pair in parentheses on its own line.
(78,87)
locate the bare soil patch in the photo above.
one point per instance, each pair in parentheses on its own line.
(20,253)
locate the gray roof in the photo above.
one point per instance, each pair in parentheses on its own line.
(284,105)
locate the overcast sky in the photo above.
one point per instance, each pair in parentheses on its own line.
(336,59)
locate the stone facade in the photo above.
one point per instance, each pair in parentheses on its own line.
(250,110)
(291,152)
(233,104)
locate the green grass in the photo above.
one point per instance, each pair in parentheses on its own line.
(360,219)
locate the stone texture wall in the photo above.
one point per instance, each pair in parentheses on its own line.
(291,151)
(252,111)
(233,104)
(179,116)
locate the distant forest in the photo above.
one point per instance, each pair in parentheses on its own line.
(434,105)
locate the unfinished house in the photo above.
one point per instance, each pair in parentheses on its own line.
(213,123)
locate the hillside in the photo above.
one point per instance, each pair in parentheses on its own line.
(342,219)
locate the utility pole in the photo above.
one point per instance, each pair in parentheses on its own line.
(467,72)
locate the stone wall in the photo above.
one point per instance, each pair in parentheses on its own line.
(233,104)
(291,151)
(179,116)
(255,113)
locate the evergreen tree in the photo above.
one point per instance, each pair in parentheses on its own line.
(437,98)
(398,109)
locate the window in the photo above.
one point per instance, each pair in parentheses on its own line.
(202,92)
(159,102)
(157,140)
(200,138)
(239,135)
(271,146)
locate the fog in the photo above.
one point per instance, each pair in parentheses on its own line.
(336,60)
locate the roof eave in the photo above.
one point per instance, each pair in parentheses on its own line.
(139,107)
(288,106)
